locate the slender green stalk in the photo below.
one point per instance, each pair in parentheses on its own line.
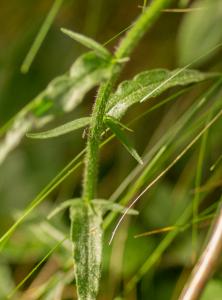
(196,198)
(41,36)
(125,48)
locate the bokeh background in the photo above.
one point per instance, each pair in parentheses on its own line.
(174,41)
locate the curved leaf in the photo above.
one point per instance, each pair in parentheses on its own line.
(61,130)
(150,84)
(88,42)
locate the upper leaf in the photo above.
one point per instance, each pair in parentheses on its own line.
(149,84)
(88,42)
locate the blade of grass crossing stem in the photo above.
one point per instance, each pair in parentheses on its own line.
(196,199)
(41,35)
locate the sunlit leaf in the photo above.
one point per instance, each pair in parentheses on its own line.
(149,84)
(88,42)
(61,130)
(117,130)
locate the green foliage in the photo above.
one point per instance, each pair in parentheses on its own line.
(63,129)
(149,84)
(117,130)
(88,43)
(86,235)
(194,114)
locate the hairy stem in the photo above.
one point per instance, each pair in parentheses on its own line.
(125,48)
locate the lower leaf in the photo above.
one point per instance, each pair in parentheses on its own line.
(86,236)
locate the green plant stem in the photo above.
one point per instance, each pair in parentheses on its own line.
(125,48)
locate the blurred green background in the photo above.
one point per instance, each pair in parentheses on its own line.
(33,164)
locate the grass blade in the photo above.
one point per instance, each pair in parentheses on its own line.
(41,36)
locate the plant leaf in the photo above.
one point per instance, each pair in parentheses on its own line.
(86,236)
(150,84)
(62,95)
(88,42)
(116,121)
(106,205)
(102,204)
(117,130)
(200,32)
(61,130)
(64,205)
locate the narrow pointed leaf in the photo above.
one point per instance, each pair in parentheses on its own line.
(88,42)
(86,236)
(61,130)
(116,121)
(117,130)
(63,206)
(107,205)
(62,95)
(150,84)
(102,204)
